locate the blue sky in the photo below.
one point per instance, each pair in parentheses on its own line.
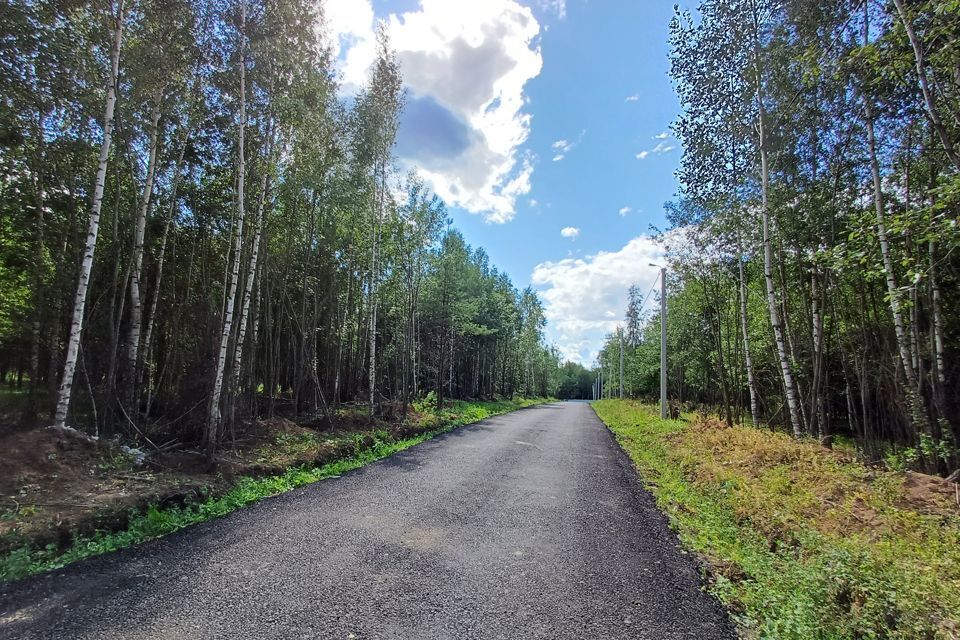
(545,126)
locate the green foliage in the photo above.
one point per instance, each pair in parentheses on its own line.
(14,276)
(858,233)
(576,382)
(777,521)
(427,404)
(159,521)
(372,280)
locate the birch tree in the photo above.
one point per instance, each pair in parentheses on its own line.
(214,416)
(139,230)
(93,223)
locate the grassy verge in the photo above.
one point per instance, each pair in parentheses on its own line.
(155,522)
(802,542)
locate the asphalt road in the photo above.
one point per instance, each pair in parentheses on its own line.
(528,525)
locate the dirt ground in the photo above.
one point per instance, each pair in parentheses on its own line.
(930,494)
(57,483)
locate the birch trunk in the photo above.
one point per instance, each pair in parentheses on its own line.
(372,336)
(251,276)
(136,305)
(406,364)
(786,370)
(816,401)
(155,298)
(620,377)
(115,311)
(374,277)
(342,336)
(93,230)
(745,329)
(939,377)
(213,418)
(450,364)
(900,330)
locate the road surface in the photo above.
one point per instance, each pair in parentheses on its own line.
(528,525)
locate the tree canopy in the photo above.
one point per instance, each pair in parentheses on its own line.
(813,246)
(243,240)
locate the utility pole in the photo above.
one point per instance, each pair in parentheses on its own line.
(663,343)
(620,335)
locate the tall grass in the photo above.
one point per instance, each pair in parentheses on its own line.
(803,543)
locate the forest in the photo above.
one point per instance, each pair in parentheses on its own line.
(199,225)
(813,247)
(234,316)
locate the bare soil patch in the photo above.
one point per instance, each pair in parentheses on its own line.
(58,483)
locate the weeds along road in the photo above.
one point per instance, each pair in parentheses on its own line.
(528,525)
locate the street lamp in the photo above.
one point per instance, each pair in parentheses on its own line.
(663,340)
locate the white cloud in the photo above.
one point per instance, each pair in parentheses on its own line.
(578,292)
(624,211)
(559,7)
(633,98)
(563,146)
(469,61)
(533,203)
(560,147)
(350,24)
(570,232)
(662,146)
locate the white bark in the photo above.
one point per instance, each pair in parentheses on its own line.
(372,331)
(256,316)
(937,312)
(893,293)
(213,418)
(900,331)
(136,305)
(748,358)
(251,277)
(936,338)
(786,370)
(93,229)
(816,406)
(379,196)
(620,377)
(155,298)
